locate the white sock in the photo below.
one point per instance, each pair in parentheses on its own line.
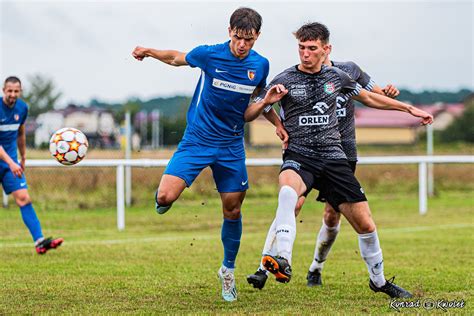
(372,254)
(326,238)
(270,244)
(227,270)
(286,221)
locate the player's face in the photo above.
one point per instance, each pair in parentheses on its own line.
(312,54)
(11,92)
(241,43)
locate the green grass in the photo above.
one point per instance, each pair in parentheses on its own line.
(168,263)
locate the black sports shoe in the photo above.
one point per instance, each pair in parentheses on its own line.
(314,278)
(48,243)
(257,279)
(391,289)
(278,266)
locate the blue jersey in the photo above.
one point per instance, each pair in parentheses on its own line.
(216,114)
(10,121)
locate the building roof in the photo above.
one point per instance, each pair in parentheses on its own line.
(369,117)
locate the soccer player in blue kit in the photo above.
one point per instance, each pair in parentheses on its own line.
(13,113)
(231,73)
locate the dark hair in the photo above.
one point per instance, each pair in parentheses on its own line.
(312,32)
(12,79)
(245,20)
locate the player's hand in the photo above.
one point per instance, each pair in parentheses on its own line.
(275,94)
(16,170)
(283,135)
(426,118)
(391,91)
(139,53)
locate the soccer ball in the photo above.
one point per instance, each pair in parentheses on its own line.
(68,145)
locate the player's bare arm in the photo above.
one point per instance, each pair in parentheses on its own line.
(14,167)
(390,91)
(382,102)
(281,132)
(274,94)
(170,57)
(21,142)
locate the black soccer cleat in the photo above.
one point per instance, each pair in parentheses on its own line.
(48,243)
(278,266)
(257,279)
(391,289)
(314,278)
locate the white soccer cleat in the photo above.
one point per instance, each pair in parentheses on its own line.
(229,291)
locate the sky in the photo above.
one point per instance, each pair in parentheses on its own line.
(85,46)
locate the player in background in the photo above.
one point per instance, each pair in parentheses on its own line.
(13,115)
(308,95)
(331,219)
(231,73)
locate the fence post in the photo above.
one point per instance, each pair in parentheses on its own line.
(422,188)
(128,155)
(120,197)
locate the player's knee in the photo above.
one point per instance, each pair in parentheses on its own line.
(22,199)
(331,217)
(164,197)
(232,213)
(367,228)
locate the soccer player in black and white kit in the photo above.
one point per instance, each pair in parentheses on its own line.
(314,158)
(331,219)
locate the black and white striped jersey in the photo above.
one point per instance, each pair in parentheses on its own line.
(345,108)
(308,111)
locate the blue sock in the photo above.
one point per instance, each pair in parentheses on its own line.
(31,221)
(230,236)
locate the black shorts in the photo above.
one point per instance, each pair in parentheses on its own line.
(322,196)
(334,178)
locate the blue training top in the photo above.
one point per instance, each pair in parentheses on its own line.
(10,121)
(216,113)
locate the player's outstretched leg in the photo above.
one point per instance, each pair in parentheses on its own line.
(258,279)
(326,238)
(278,266)
(48,243)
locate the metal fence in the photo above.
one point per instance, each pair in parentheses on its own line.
(124,185)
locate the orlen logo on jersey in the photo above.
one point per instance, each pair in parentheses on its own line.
(16,117)
(313,120)
(307,120)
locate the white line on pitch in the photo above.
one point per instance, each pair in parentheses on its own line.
(198,236)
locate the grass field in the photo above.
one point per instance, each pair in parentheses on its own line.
(168,263)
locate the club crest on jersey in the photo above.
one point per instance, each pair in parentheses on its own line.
(329,88)
(251,74)
(16,117)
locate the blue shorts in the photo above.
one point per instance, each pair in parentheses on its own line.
(10,182)
(227,165)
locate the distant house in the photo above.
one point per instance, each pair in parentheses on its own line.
(372,126)
(96,123)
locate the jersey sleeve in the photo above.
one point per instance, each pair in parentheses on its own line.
(349,87)
(198,57)
(362,77)
(279,79)
(266,70)
(25,114)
